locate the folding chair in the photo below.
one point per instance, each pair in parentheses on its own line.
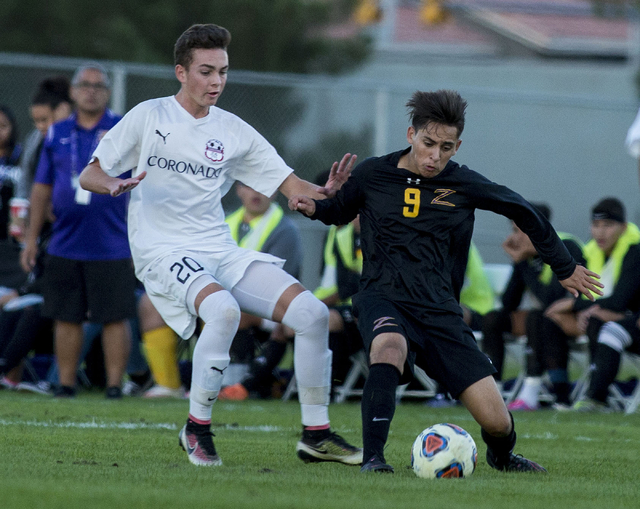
(430,387)
(359,369)
(628,404)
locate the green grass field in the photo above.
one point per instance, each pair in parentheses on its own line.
(93,453)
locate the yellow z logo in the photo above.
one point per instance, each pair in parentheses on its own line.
(411,198)
(442,193)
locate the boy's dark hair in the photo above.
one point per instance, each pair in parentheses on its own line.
(207,36)
(543,208)
(52,92)
(609,208)
(443,107)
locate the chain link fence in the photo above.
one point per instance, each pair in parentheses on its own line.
(557,147)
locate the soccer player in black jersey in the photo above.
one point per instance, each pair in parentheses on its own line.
(416,211)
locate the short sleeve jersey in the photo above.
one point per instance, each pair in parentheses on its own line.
(88,226)
(191,164)
(416,231)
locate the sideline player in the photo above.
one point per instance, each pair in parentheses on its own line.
(189,153)
(416,213)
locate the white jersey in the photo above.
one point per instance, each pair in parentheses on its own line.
(633,138)
(191,164)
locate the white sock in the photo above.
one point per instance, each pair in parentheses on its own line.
(221,315)
(531,390)
(309,318)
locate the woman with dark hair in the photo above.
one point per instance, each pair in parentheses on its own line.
(51,103)
(10,151)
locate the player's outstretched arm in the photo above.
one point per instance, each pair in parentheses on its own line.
(339,174)
(583,281)
(94,179)
(302,204)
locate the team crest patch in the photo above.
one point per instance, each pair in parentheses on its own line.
(214,151)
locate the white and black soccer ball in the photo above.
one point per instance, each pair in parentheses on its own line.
(444,451)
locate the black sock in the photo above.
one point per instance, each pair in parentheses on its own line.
(378,407)
(500,447)
(262,366)
(607,362)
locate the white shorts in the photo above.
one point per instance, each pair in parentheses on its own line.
(168,278)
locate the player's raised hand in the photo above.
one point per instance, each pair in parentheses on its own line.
(583,281)
(338,175)
(123,186)
(302,204)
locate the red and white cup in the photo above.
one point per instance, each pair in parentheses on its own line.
(18,210)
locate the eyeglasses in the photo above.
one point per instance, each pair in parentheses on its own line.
(88,84)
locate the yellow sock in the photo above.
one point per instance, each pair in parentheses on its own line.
(160,346)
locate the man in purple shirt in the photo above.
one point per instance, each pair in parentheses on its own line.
(88,271)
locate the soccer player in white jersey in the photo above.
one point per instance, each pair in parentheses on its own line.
(189,153)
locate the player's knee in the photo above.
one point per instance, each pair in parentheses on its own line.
(221,309)
(306,313)
(614,336)
(389,349)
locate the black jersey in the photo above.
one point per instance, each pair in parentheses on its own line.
(415,231)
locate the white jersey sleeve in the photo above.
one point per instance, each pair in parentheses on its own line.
(119,149)
(259,167)
(633,138)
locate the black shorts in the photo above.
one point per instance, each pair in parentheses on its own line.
(100,291)
(441,344)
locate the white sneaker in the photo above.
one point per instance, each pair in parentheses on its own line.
(42,387)
(160,391)
(130,388)
(5,383)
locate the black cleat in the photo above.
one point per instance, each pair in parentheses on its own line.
(330,448)
(513,463)
(375,464)
(113,393)
(197,441)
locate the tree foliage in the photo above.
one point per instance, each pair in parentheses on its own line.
(267,35)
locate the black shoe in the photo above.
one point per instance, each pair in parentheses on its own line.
(330,448)
(513,463)
(197,440)
(113,392)
(64,391)
(375,464)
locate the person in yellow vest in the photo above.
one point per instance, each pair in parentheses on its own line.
(476,297)
(614,251)
(260,224)
(342,266)
(530,290)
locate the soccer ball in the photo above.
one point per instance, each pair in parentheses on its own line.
(444,451)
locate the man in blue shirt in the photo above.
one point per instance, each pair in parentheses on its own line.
(88,272)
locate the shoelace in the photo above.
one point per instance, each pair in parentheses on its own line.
(337,439)
(519,461)
(207,443)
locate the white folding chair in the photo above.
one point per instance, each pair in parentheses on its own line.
(628,404)
(359,369)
